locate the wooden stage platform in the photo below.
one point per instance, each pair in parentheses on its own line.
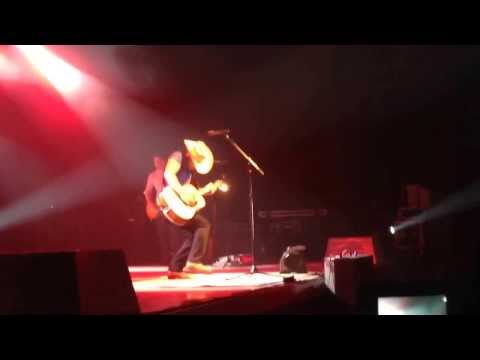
(225,291)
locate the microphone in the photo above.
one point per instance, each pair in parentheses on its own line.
(218,132)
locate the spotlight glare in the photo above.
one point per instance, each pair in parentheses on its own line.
(64,77)
(224,187)
(8,70)
(392,230)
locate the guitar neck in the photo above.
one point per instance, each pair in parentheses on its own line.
(203,191)
(206,189)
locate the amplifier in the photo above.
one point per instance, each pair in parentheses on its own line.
(280,229)
(281,214)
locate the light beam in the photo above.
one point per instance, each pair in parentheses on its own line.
(61,75)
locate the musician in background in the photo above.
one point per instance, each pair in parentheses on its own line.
(154,186)
(180,170)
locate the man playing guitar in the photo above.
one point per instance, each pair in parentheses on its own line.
(181,166)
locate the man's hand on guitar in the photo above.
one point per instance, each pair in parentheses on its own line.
(219,185)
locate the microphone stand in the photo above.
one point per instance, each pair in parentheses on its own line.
(250,164)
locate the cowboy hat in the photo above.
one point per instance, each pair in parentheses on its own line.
(202,156)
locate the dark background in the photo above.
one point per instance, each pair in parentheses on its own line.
(343,128)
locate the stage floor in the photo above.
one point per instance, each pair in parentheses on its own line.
(157,294)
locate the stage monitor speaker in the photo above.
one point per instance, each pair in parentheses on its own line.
(77,282)
(350,246)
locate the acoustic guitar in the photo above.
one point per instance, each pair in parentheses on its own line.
(179,212)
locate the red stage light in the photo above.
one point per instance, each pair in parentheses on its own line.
(63,76)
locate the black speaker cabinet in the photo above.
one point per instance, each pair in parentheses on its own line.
(77,282)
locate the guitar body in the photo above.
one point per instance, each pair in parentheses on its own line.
(173,218)
(175,209)
(179,212)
